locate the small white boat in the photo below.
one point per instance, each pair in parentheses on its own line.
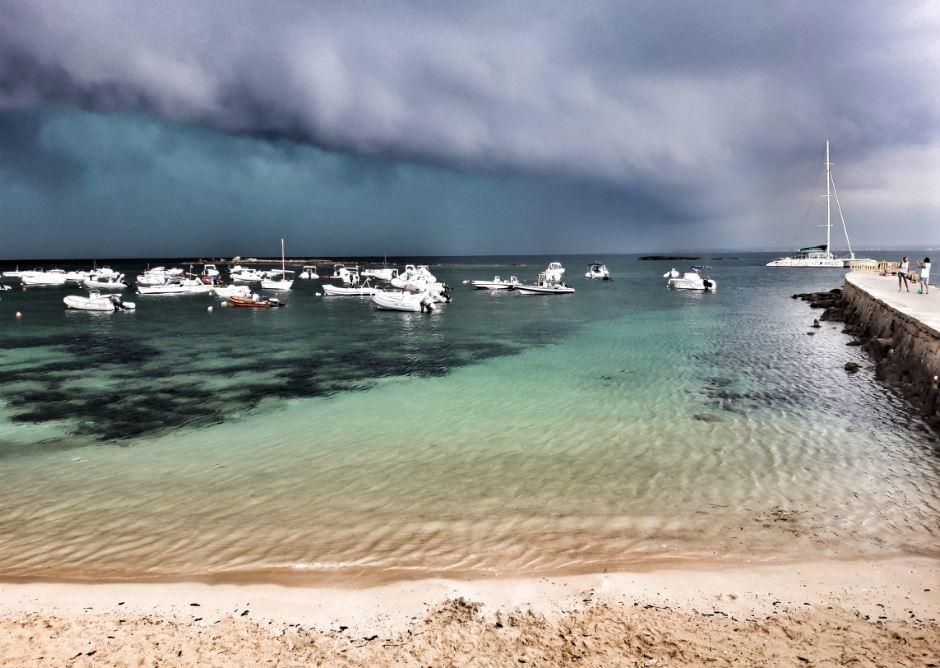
(496,284)
(50,277)
(210,270)
(16,273)
(4,287)
(554,273)
(358,289)
(279,279)
(103,282)
(381,273)
(98,302)
(245,275)
(693,279)
(189,285)
(231,290)
(308,273)
(543,286)
(158,276)
(597,271)
(404,300)
(549,282)
(348,275)
(414,275)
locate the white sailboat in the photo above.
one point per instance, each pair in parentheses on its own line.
(821,256)
(279,280)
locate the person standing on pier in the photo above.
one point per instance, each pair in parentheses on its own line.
(925,276)
(902,273)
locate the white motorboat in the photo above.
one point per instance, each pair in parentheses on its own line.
(158,276)
(364,289)
(549,282)
(543,286)
(102,282)
(308,273)
(496,284)
(694,279)
(245,275)
(279,279)
(16,273)
(404,300)
(554,273)
(231,290)
(210,270)
(98,302)
(596,271)
(821,256)
(414,275)
(348,275)
(188,285)
(41,278)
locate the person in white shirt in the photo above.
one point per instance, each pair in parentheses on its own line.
(925,276)
(902,273)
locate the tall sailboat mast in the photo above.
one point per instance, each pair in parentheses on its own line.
(283,266)
(828,200)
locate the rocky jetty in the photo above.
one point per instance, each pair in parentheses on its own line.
(905,352)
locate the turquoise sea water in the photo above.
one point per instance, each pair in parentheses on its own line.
(503,434)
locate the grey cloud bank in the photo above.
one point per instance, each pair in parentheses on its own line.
(644,123)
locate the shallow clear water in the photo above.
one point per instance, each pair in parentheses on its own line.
(503,434)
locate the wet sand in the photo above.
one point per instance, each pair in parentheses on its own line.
(821,612)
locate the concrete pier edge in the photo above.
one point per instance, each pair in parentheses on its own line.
(901,332)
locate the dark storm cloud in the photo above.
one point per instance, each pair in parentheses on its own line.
(651,113)
(632,93)
(26,158)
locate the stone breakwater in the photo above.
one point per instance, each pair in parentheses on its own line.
(905,349)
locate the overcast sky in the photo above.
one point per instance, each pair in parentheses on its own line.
(214,128)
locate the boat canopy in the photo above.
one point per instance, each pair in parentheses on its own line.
(814,249)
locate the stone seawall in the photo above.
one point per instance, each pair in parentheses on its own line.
(904,347)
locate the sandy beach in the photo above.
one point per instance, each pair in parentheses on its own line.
(814,613)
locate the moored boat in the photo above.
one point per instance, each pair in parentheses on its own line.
(403,300)
(255,301)
(279,279)
(694,279)
(231,290)
(496,284)
(98,302)
(597,271)
(52,277)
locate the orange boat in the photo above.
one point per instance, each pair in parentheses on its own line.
(254,302)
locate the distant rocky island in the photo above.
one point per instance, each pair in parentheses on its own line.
(667,257)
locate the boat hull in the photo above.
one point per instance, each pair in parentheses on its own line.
(174,289)
(268,284)
(337,291)
(544,289)
(402,301)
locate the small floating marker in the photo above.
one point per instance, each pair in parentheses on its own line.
(317,294)
(19,314)
(209,309)
(223,304)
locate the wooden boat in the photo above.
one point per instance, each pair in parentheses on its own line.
(254,302)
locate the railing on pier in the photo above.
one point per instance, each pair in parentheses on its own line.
(875,266)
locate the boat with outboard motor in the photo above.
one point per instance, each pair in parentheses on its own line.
(255,301)
(95,301)
(308,273)
(597,271)
(496,284)
(549,282)
(543,286)
(413,300)
(414,275)
(694,279)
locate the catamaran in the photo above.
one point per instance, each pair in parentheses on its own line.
(821,255)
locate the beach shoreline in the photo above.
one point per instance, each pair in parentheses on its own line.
(64,621)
